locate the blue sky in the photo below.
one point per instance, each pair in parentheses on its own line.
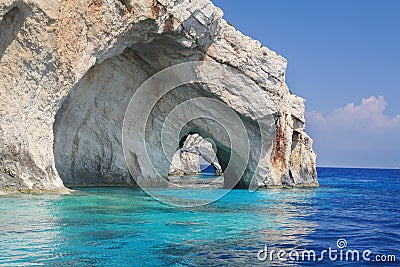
(344,59)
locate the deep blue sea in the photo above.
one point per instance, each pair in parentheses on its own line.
(126,227)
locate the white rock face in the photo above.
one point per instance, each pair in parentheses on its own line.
(69,68)
(186,159)
(190,163)
(176,165)
(184,163)
(198,145)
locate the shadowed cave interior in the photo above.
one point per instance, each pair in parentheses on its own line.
(88,126)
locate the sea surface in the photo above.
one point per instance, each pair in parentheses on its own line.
(126,227)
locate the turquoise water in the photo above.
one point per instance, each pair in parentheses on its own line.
(125,227)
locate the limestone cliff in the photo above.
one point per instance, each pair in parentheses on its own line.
(68,70)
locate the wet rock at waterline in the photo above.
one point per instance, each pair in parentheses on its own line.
(68,70)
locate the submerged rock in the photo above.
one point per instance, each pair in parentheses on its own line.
(68,70)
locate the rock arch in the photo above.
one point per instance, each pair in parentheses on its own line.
(186,159)
(69,72)
(88,126)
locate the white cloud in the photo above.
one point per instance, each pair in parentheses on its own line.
(357,135)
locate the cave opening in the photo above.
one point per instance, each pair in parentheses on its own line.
(196,156)
(206,168)
(88,145)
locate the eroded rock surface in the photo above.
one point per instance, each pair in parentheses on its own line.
(69,68)
(186,159)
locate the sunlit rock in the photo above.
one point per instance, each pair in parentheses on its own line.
(186,159)
(68,70)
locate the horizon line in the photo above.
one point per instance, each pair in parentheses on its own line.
(370,168)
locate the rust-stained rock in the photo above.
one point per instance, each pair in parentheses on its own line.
(69,68)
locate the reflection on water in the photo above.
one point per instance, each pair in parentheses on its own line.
(29,228)
(274,217)
(122,226)
(126,227)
